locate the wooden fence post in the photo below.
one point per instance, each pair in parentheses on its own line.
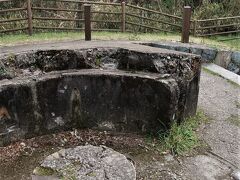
(186,24)
(29,14)
(87,20)
(123,16)
(79,15)
(195,28)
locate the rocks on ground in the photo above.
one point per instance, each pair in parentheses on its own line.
(86,163)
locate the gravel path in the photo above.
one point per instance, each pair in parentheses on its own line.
(220,100)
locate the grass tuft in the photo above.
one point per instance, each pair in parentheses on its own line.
(182,138)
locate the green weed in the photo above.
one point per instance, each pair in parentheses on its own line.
(181,138)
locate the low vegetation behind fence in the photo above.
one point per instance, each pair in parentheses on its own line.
(34,15)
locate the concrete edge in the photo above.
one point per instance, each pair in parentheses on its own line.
(222,72)
(227,59)
(84,45)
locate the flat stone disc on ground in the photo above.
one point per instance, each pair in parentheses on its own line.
(86,163)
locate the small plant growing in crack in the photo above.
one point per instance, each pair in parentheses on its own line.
(11,57)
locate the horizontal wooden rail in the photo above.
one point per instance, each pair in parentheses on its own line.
(104,21)
(57,28)
(12,20)
(146,26)
(56,9)
(12,10)
(113,30)
(158,21)
(5,1)
(218,26)
(156,12)
(218,33)
(218,19)
(63,28)
(88,2)
(12,30)
(57,19)
(100,3)
(105,12)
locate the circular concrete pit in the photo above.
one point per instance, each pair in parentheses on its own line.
(119,87)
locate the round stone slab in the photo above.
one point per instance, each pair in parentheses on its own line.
(86,163)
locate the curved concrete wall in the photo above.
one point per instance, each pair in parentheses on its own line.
(148,94)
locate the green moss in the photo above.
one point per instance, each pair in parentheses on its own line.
(98,61)
(44,171)
(92,174)
(210,72)
(11,57)
(234,119)
(2,71)
(70,171)
(69,178)
(237,104)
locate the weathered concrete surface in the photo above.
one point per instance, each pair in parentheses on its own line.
(124,88)
(219,99)
(67,45)
(229,60)
(223,58)
(204,167)
(223,72)
(5,73)
(208,54)
(105,100)
(86,163)
(234,65)
(236,58)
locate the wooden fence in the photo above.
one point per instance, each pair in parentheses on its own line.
(217,26)
(31,17)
